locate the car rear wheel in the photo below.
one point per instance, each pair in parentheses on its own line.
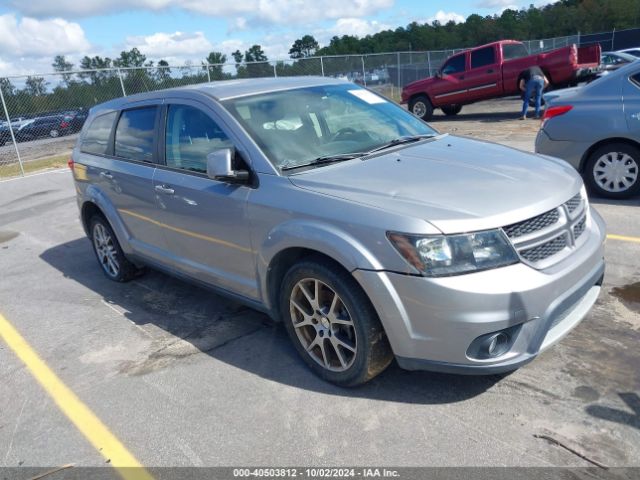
(613,171)
(54,133)
(108,252)
(332,324)
(451,109)
(421,107)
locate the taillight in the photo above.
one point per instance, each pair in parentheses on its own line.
(551,112)
(70,163)
(64,125)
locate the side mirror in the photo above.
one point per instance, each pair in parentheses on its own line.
(439,74)
(220,167)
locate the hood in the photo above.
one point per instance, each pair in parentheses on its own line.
(454,183)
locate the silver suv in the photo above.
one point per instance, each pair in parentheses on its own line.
(368,233)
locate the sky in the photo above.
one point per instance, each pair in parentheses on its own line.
(32,32)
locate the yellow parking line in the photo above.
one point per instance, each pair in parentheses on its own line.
(80,415)
(623,238)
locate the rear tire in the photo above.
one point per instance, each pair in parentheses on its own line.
(451,110)
(110,256)
(421,107)
(613,171)
(54,133)
(332,323)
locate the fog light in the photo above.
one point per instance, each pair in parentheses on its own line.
(493,345)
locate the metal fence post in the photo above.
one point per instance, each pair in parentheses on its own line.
(275,73)
(364,74)
(399,70)
(429,61)
(613,39)
(208,74)
(124,94)
(322,66)
(13,138)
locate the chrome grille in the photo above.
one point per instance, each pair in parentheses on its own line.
(533,224)
(579,227)
(545,250)
(573,203)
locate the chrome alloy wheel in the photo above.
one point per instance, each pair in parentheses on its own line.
(419,109)
(615,172)
(106,250)
(323,325)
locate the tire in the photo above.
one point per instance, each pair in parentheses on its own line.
(110,256)
(613,171)
(54,133)
(421,107)
(348,344)
(450,110)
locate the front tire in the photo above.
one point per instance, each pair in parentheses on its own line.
(421,107)
(613,171)
(54,133)
(451,110)
(110,256)
(332,323)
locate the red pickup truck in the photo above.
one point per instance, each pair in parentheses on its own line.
(493,70)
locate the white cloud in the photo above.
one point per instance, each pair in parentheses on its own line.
(264,11)
(353,26)
(30,37)
(446,17)
(161,45)
(495,4)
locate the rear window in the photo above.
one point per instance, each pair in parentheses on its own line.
(134,134)
(483,57)
(511,51)
(96,140)
(453,65)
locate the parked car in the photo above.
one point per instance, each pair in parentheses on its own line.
(610,61)
(631,51)
(51,126)
(5,134)
(596,129)
(492,71)
(76,119)
(339,213)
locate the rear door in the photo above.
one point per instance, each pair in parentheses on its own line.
(483,77)
(631,96)
(205,220)
(125,174)
(451,88)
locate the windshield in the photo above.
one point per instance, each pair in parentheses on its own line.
(299,126)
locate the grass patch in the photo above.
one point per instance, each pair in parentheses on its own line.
(13,170)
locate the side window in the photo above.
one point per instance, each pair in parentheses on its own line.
(134,134)
(636,79)
(453,65)
(511,51)
(96,140)
(483,57)
(190,136)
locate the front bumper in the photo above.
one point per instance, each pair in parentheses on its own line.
(431,322)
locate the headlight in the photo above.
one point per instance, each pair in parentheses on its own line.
(444,255)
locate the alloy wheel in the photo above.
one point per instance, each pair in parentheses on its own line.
(106,250)
(323,324)
(419,109)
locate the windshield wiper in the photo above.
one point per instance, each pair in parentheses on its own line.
(401,140)
(324,159)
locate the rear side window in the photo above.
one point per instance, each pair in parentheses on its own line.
(636,79)
(511,51)
(482,57)
(96,140)
(134,134)
(453,65)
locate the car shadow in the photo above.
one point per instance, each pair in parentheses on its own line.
(631,417)
(197,320)
(628,202)
(484,117)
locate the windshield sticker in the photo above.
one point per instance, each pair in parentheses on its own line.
(367,96)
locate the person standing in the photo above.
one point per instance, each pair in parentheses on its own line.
(532,80)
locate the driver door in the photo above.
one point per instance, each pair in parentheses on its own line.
(451,88)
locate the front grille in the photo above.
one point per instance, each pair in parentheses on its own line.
(545,250)
(533,224)
(573,203)
(579,227)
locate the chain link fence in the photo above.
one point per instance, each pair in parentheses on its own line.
(41,115)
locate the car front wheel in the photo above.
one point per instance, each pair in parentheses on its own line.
(613,171)
(421,107)
(54,133)
(332,324)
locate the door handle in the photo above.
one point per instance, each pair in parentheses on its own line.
(461,77)
(490,70)
(166,189)
(106,175)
